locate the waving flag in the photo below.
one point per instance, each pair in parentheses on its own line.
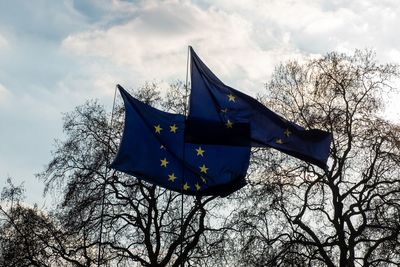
(153,148)
(212,100)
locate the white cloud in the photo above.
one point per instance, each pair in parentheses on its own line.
(154,43)
(241,41)
(318,26)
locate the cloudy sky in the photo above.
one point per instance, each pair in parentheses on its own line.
(54,55)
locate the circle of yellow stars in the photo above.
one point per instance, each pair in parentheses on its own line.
(199,152)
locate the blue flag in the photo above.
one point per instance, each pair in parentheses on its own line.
(212,100)
(153,148)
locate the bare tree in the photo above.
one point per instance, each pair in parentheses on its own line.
(141,223)
(30,236)
(298,215)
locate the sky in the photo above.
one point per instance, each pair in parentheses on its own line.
(55,55)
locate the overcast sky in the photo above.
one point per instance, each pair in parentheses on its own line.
(54,55)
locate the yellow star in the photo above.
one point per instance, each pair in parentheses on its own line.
(231,98)
(186,186)
(198,187)
(287,132)
(279,141)
(173,128)
(157,128)
(171,177)
(164,162)
(229,124)
(200,151)
(203,179)
(225,110)
(203,168)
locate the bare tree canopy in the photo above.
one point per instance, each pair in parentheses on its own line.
(349,215)
(291,214)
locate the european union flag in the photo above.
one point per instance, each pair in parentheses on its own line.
(153,148)
(212,100)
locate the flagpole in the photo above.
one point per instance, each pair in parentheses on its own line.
(105,177)
(183,165)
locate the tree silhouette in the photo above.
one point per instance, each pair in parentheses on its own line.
(299,215)
(141,223)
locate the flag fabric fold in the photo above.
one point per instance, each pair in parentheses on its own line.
(153,148)
(212,100)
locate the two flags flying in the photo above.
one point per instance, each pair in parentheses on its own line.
(208,152)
